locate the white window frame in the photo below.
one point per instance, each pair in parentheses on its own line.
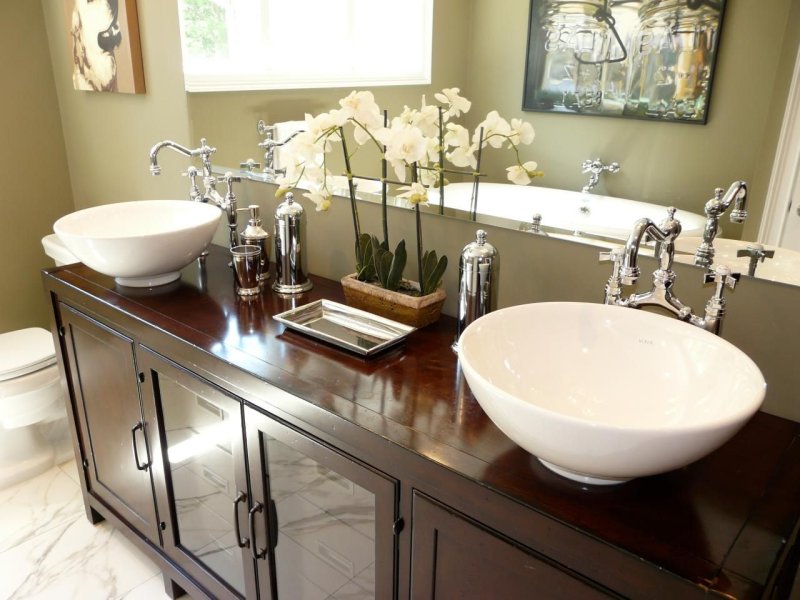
(222,76)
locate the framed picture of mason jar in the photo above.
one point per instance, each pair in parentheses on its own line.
(642,59)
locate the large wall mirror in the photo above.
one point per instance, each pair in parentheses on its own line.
(481,49)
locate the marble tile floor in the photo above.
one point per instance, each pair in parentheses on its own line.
(49,550)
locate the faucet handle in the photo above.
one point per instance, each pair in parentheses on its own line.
(723,277)
(614,254)
(249,165)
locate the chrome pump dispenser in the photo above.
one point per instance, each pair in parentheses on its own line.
(290,241)
(255,235)
(477,291)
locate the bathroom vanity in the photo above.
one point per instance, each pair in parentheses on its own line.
(249,460)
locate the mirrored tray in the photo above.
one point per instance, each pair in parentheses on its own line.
(349,328)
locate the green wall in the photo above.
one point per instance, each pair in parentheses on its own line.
(36,186)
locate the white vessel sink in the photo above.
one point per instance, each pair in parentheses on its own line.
(783,267)
(141,244)
(602,394)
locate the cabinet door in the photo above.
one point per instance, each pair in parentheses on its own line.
(453,557)
(114,433)
(324,523)
(200,477)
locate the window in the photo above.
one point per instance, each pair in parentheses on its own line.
(283,44)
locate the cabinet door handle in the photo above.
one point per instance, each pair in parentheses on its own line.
(139,465)
(251,518)
(273,525)
(240,541)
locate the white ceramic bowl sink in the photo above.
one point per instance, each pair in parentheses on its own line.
(602,394)
(783,267)
(143,243)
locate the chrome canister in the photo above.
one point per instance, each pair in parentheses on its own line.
(290,241)
(477,290)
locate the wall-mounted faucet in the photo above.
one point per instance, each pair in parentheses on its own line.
(626,272)
(715,208)
(271,167)
(595,168)
(209,193)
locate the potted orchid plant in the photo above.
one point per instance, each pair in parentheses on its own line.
(417,147)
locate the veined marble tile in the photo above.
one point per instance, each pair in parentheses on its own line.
(198,524)
(224,557)
(301,575)
(327,538)
(75,560)
(289,470)
(70,469)
(343,499)
(152,589)
(36,506)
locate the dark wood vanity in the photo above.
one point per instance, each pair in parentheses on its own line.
(251,461)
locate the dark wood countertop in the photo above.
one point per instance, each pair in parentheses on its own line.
(724,522)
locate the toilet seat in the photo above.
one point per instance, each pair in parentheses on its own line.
(25,351)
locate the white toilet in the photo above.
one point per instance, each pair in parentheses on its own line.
(30,399)
(33,419)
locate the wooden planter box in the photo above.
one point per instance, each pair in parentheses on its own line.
(417,311)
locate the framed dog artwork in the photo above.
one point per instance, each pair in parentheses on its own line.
(105,45)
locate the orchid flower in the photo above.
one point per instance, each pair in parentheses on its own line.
(521,174)
(456,104)
(414,193)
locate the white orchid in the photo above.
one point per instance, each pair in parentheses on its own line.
(521,174)
(361,106)
(496,130)
(463,156)
(414,193)
(521,132)
(405,145)
(455,103)
(320,198)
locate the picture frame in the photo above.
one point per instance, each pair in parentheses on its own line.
(641,59)
(104,45)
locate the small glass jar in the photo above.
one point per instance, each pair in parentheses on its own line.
(671,58)
(576,44)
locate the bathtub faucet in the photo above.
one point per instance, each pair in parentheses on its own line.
(271,168)
(625,272)
(595,168)
(715,208)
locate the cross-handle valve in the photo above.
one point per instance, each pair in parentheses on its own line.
(249,165)
(195,195)
(722,278)
(757,254)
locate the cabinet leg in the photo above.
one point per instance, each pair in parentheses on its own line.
(172,589)
(94,516)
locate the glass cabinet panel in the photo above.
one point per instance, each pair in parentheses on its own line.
(330,517)
(200,434)
(202,478)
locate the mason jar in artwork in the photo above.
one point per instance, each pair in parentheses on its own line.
(671,59)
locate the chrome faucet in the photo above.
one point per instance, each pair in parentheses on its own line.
(625,272)
(209,193)
(715,208)
(271,168)
(595,168)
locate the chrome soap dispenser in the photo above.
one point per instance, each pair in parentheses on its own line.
(290,241)
(255,235)
(477,291)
